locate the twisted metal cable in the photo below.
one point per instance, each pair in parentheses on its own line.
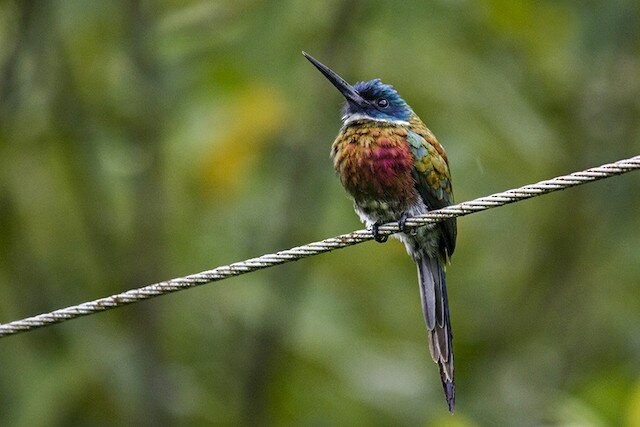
(294,254)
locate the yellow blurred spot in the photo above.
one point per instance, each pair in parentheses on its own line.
(455,420)
(633,408)
(255,115)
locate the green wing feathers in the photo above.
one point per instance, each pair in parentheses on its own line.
(433,181)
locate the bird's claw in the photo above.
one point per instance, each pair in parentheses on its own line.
(402,224)
(376,233)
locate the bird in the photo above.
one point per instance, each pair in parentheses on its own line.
(393,168)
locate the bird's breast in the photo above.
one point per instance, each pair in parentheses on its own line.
(375,163)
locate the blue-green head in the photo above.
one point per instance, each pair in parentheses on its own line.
(372,100)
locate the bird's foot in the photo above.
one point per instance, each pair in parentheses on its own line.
(376,233)
(402,223)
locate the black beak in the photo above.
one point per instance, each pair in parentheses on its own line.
(345,88)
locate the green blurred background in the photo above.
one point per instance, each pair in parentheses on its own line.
(144,140)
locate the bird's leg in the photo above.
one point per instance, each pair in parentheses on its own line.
(376,233)
(402,223)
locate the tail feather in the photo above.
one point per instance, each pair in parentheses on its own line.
(433,292)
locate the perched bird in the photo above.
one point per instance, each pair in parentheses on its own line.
(393,167)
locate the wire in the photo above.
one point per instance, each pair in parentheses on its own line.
(327,245)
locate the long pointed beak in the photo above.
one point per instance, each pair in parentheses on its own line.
(345,88)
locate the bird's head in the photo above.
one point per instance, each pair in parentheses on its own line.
(370,100)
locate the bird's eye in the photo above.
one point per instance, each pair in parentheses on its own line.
(382,103)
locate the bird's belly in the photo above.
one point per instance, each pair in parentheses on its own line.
(425,238)
(372,211)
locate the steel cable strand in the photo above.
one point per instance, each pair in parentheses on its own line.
(327,245)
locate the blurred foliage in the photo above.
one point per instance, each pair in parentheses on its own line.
(143,140)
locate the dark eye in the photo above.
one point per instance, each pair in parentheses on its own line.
(382,103)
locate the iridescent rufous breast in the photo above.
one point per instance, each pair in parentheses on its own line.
(374,161)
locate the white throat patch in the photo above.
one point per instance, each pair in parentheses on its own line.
(354,117)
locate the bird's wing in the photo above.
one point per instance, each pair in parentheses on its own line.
(433,182)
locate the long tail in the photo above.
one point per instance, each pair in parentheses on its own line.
(433,292)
